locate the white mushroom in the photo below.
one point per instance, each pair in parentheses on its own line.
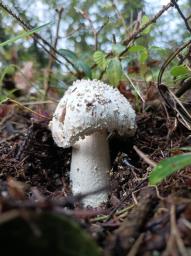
(85,115)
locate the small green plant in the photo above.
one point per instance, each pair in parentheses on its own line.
(24,34)
(169,166)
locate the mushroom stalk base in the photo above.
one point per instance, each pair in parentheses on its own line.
(90,165)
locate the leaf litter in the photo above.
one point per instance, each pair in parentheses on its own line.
(137,219)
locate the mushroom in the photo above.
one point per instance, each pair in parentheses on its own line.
(88,111)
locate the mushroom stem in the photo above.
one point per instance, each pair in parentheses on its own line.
(89,168)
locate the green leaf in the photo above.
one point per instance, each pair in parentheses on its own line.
(114,71)
(10,69)
(179,70)
(117,49)
(76,61)
(24,34)
(141,51)
(3,98)
(143,56)
(100,59)
(45,234)
(158,50)
(68,55)
(137,48)
(82,66)
(148,29)
(168,166)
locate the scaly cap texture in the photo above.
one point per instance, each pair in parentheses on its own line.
(89,106)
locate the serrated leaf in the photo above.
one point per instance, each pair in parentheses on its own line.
(148,29)
(179,70)
(168,166)
(100,59)
(114,71)
(24,34)
(45,234)
(117,49)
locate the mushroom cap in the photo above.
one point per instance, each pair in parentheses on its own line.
(89,106)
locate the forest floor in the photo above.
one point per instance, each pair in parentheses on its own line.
(137,220)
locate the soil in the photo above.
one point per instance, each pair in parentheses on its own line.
(138,219)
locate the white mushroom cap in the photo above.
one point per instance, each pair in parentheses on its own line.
(89,106)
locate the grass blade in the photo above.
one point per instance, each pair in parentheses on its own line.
(24,34)
(168,166)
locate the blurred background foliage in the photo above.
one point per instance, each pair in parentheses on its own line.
(91,38)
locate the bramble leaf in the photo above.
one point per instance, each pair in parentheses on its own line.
(100,59)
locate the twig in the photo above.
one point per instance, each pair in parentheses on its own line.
(174,237)
(71,33)
(26,27)
(37,37)
(99,31)
(169,59)
(37,102)
(119,15)
(134,87)
(136,33)
(8,216)
(144,157)
(95,32)
(129,231)
(143,27)
(175,233)
(124,199)
(188,17)
(28,109)
(52,55)
(119,213)
(138,21)
(186,85)
(136,245)
(181,14)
